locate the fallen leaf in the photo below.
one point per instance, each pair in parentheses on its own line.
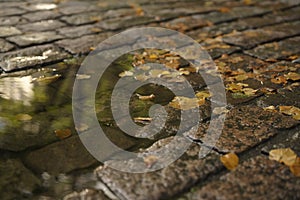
(295,168)
(203,95)
(63,133)
(249,91)
(47,80)
(147,97)
(279,80)
(23,117)
(230,160)
(270,108)
(150,160)
(142,120)
(186,103)
(126,73)
(241,77)
(286,156)
(290,110)
(292,76)
(82,76)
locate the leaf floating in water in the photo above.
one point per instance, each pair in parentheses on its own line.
(286,156)
(186,103)
(145,98)
(295,168)
(150,160)
(126,73)
(82,76)
(47,80)
(290,110)
(293,76)
(24,117)
(230,160)
(63,133)
(142,120)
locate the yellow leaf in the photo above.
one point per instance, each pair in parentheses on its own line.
(62,134)
(293,76)
(286,156)
(279,80)
(23,117)
(249,91)
(153,56)
(290,110)
(144,98)
(295,168)
(203,94)
(126,73)
(230,160)
(186,103)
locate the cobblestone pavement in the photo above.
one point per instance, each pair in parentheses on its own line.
(253,42)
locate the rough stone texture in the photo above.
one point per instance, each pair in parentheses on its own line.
(83,44)
(16,181)
(125,22)
(34,38)
(247,126)
(31,56)
(41,15)
(252,38)
(5,46)
(86,18)
(217,48)
(78,31)
(41,26)
(9,31)
(256,178)
(4,21)
(86,194)
(11,11)
(75,7)
(60,157)
(276,50)
(161,184)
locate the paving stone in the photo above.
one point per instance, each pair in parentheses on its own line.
(164,183)
(83,44)
(86,194)
(60,157)
(9,31)
(78,31)
(252,38)
(125,22)
(11,11)
(34,38)
(8,4)
(31,56)
(41,15)
(256,178)
(85,18)
(217,48)
(4,21)
(5,46)
(75,7)
(36,6)
(276,50)
(41,26)
(246,127)
(16,181)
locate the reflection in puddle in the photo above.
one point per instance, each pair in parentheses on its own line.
(17,89)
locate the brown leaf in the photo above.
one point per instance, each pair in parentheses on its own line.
(279,80)
(295,168)
(63,133)
(230,160)
(290,110)
(293,76)
(150,160)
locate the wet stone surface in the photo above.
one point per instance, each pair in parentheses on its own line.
(34,38)
(283,49)
(9,31)
(41,15)
(270,179)
(42,26)
(31,56)
(5,46)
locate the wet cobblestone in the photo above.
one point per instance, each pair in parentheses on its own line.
(252,42)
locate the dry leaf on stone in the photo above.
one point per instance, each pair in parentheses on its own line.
(230,160)
(150,160)
(295,168)
(285,155)
(290,110)
(186,103)
(279,80)
(126,73)
(292,76)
